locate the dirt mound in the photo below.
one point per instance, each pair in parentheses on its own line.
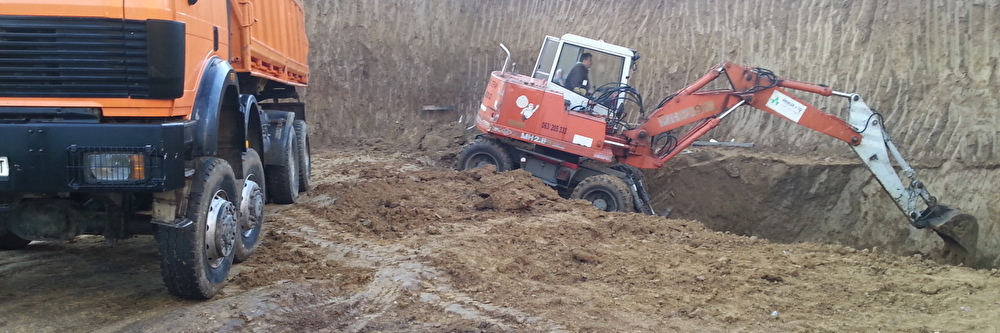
(516,191)
(284,257)
(396,198)
(439,141)
(501,251)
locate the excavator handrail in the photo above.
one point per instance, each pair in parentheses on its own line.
(505,61)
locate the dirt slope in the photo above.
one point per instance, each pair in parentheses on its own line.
(749,192)
(390,242)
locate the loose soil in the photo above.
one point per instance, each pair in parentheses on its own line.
(390,242)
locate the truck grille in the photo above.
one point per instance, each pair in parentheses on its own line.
(73,57)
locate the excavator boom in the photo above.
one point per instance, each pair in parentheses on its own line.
(864,132)
(876,149)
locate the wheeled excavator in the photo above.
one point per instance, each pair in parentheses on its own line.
(591,146)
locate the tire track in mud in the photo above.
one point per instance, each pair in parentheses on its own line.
(399,279)
(83,285)
(310,275)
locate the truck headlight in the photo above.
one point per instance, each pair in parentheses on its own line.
(115,167)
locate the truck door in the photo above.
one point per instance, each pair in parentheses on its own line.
(207,25)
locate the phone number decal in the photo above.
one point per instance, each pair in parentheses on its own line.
(554,128)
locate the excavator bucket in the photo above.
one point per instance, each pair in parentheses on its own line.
(952,225)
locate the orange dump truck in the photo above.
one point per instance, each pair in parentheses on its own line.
(173,118)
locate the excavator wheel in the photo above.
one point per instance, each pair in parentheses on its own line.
(484,152)
(606,192)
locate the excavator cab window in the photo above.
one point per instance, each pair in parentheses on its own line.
(606,69)
(546,57)
(610,69)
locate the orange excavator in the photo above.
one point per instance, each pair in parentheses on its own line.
(590,143)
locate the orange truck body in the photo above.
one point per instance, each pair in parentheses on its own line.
(124,117)
(265,38)
(272,35)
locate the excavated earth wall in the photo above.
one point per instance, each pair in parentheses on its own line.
(930,67)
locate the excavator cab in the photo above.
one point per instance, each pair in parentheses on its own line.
(611,69)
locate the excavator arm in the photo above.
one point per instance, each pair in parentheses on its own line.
(759,88)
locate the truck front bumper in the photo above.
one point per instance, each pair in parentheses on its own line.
(84,157)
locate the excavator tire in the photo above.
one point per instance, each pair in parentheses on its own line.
(606,192)
(10,241)
(484,152)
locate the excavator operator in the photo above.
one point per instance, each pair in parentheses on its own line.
(577,80)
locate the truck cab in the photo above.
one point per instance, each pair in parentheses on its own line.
(172,118)
(612,66)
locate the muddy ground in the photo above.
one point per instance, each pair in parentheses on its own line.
(390,241)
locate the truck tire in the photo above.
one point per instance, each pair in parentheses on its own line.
(251,206)
(302,157)
(606,192)
(195,260)
(283,180)
(10,241)
(483,152)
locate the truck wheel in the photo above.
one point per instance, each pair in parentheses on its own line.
(302,155)
(283,180)
(251,207)
(483,152)
(195,260)
(10,241)
(606,192)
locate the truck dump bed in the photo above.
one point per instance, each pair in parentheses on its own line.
(269,40)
